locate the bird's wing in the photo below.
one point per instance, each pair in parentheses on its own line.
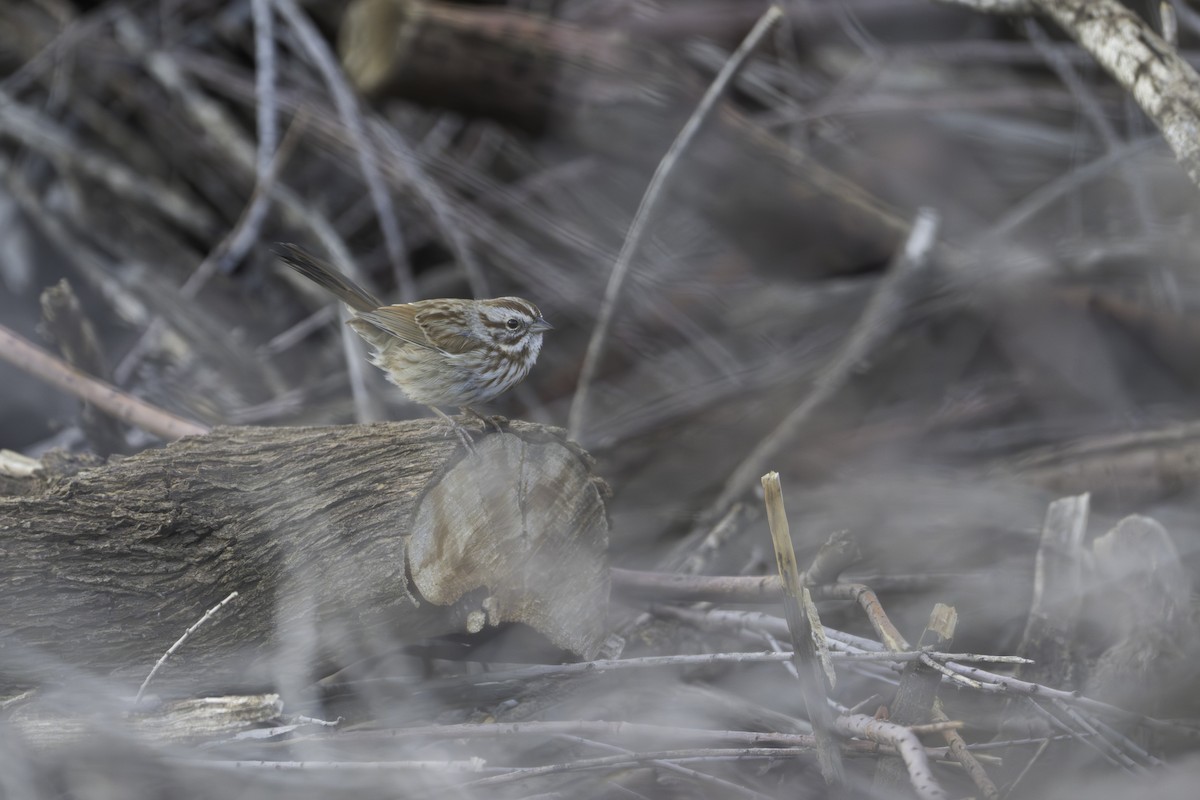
(410,322)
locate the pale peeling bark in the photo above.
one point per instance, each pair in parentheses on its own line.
(1165,86)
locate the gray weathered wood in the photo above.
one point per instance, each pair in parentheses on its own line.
(915,700)
(106,564)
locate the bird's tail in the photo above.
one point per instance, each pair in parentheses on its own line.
(328,278)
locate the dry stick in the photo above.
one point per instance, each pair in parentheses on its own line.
(591,728)
(364,147)
(179,643)
(940,726)
(1108,732)
(25,355)
(469,765)
(959,751)
(17,465)
(991,682)
(641,219)
(907,745)
(1033,760)
(802,623)
(1108,746)
(669,587)
(619,730)
(1165,86)
(884,312)
(1085,738)
(625,761)
(845,645)
(730,789)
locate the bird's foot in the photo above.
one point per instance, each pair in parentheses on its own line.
(458,430)
(495,423)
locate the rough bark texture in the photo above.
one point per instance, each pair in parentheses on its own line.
(107,564)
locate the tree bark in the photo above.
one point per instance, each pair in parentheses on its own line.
(341,541)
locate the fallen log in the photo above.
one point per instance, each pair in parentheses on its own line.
(341,541)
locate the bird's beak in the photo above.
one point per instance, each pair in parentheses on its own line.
(540,325)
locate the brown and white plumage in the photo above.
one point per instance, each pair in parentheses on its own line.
(444,352)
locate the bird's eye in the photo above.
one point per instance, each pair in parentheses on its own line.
(513,323)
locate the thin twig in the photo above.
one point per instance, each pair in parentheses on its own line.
(907,745)
(25,355)
(637,229)
(728,788)
(468,765)
(621,761)
(179,643)
(1109,746)
(961,752)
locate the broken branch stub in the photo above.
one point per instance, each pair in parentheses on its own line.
(330,535)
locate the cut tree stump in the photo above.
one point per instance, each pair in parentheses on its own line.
(341,542)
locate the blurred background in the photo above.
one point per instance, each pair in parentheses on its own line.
(152,153)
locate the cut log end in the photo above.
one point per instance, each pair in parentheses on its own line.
(525,521)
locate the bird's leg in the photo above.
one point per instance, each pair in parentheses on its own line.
(462,433)
(487,421)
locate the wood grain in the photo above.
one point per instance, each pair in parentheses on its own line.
(107,564)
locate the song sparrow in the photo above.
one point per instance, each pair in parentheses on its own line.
(442,352)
